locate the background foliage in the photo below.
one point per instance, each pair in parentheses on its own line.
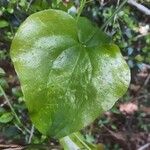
(127,125)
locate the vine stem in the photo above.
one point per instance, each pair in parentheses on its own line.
(12,109)
(81,140)
(76,141)
(83,2)
(115,12)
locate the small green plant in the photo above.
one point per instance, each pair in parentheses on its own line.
(70,73)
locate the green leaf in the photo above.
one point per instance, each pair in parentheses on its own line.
(4,83)
(2,72)
(70,71)
(2,110)
(6,117)
(3,23)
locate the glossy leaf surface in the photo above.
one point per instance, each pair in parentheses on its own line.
(69,72)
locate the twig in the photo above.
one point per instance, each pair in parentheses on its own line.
(29,4)
(12,109)
(118,2)
(8,145)
(139,7)
(31,134)
(143,86)
(144,146)
(147,80)
(2,105)
(17,148)
(88,1)
(141,35)
(101,2)
(116,11)
(30,146)
(16,125)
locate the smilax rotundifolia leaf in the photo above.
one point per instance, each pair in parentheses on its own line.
(70,72)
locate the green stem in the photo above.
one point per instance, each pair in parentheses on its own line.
(12,109)
(83,2)
(81,140)
(116,11)
(8,102)
(76,141)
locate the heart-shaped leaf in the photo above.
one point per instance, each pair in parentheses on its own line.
(69,72)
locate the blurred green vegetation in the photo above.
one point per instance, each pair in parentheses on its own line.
(130,30)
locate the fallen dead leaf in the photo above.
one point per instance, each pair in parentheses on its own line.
(144,71)
(128,108)
(134,87)
(144,29)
